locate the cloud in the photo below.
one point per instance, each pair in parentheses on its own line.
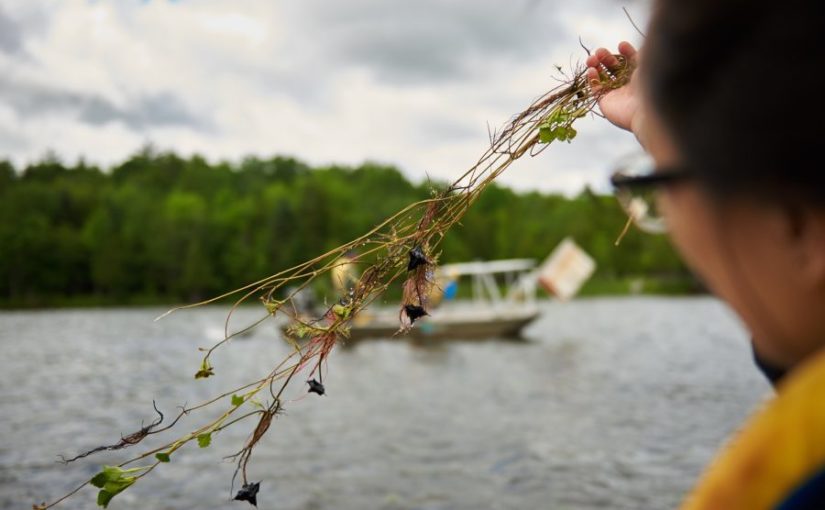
(413,84)
(164,109)
(427,41)
(11,40)
(19,22)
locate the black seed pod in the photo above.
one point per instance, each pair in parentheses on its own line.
(315,387)
(414,312)
(417,258)
(249,492)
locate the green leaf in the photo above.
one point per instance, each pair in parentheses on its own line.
(103,498)
(237,400)
(133,470)
(112,482)
(299,330)
(203,374)
(99,480)
(109,474)
(341,311)
(546,135)
(106,495)
(112,472)
(566,133)
(205,371)
(204,440)
(161,456)
(117,486)
(272,306)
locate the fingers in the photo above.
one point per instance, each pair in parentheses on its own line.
(592,77)
(603,56)
(627,49)
(603,60)
(607,59)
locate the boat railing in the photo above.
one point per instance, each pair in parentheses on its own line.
(519,277)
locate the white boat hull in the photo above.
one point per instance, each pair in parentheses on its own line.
(447,324)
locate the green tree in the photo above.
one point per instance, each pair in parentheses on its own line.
(162,227)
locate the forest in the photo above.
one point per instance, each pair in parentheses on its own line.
(160,228)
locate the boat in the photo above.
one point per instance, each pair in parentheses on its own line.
(503,299)
(490,314)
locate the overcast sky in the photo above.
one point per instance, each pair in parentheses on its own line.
(412,83)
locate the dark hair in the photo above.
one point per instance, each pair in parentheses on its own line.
(727,79)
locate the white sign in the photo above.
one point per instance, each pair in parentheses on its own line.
(566,269)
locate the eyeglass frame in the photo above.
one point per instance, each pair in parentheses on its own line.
(626,184)
(658,177)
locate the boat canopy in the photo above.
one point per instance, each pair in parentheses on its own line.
(489,267)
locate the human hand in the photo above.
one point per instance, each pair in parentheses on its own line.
(620,105)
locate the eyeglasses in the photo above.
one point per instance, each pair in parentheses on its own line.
(636,182)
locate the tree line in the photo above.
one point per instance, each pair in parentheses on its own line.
(162,228)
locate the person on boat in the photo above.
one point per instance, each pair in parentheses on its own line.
(723,98)
(445,288)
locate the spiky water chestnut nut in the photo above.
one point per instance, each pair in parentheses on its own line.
(249,493)
(315,387)
(417,258)
(414,312)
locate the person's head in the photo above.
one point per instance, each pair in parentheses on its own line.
(729,98)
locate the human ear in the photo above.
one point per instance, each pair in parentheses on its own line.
(805,228)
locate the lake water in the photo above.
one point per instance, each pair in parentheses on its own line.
(610,403)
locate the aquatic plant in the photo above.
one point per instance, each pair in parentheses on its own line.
(401,249)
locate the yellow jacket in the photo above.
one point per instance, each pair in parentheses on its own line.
(777,461)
